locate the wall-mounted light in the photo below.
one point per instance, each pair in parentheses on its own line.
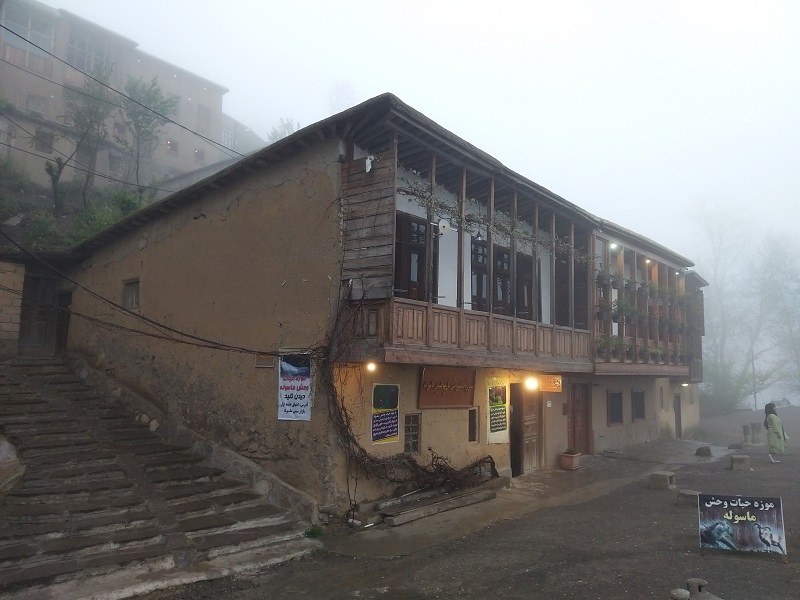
(677,272)
(685,384)
(531,383)
(371,366)
(647,261)
(613,246)
(478,236)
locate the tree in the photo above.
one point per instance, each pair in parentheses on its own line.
(778,277)
(285,128)
(88,107)
(736,318)
(144,112)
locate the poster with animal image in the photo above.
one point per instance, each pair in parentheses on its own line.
(294,387)
(497,396)
(741,523)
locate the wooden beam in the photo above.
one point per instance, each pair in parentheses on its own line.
(462,195)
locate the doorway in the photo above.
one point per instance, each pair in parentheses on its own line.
(526,409)
(37,321)
(676,406)
(578,414)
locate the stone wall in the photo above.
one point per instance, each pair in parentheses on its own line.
(12,277)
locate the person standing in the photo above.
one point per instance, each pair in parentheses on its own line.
(776,436)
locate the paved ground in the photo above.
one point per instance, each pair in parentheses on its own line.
(597,533)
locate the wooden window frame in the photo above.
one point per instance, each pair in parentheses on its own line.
(615,397)
(638,401)
(412,433)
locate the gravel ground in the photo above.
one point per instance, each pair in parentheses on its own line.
(632,543)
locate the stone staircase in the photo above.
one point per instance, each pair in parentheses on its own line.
(107,510)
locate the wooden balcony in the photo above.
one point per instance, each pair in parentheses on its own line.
(399,330)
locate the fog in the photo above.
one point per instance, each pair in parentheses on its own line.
(639,112)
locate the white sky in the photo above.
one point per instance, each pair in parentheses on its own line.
(638,111)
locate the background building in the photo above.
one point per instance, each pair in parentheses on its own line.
(34,100)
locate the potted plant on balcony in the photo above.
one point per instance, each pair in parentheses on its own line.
(602,344)
(603,277)
(570,459)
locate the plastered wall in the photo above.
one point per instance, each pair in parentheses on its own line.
(253,265)
(12,277)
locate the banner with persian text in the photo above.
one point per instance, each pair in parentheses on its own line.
(741,523)
(294,387)
(385,413)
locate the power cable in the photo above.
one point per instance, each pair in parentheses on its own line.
(116,91)
(114,179)
(161,327)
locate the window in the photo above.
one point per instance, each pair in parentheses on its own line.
(44,141)
(130,294)
(614,408)
(637,406)
(411,432)
(203,119)
(86,51)
(479,274)
(411,259)
(36,104)
(472,435)
(502,281)
(524,305)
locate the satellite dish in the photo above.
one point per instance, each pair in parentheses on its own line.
(443,226)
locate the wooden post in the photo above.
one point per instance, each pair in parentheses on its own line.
(429,215)
(490,263)
(513,264)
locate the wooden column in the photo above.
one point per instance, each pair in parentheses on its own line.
(429,215)
(553,268)
(513,265)
(462,199)
(535,316)
(462,196)
(490,263)
(572,274)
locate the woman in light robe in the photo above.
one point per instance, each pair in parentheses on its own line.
(776,436)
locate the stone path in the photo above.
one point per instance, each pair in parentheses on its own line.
(105,506)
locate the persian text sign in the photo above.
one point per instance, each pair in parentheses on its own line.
(294,387)
(741,523)
(446,387)
(385,413)
(550,383)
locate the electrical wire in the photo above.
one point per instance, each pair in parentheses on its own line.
(164,330)
(216,144)
(114,179)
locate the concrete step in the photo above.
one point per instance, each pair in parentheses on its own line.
(103,498)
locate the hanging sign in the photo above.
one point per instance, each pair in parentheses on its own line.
(294,387)
(447,387)
(385,413)
(741,523)
(550,383)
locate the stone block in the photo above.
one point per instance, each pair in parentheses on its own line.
(662,480)
(687,498)
(740,462)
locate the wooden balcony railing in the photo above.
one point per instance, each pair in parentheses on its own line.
(412,324)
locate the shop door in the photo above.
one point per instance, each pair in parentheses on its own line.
(526,408)
(578,417)
(676,405)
